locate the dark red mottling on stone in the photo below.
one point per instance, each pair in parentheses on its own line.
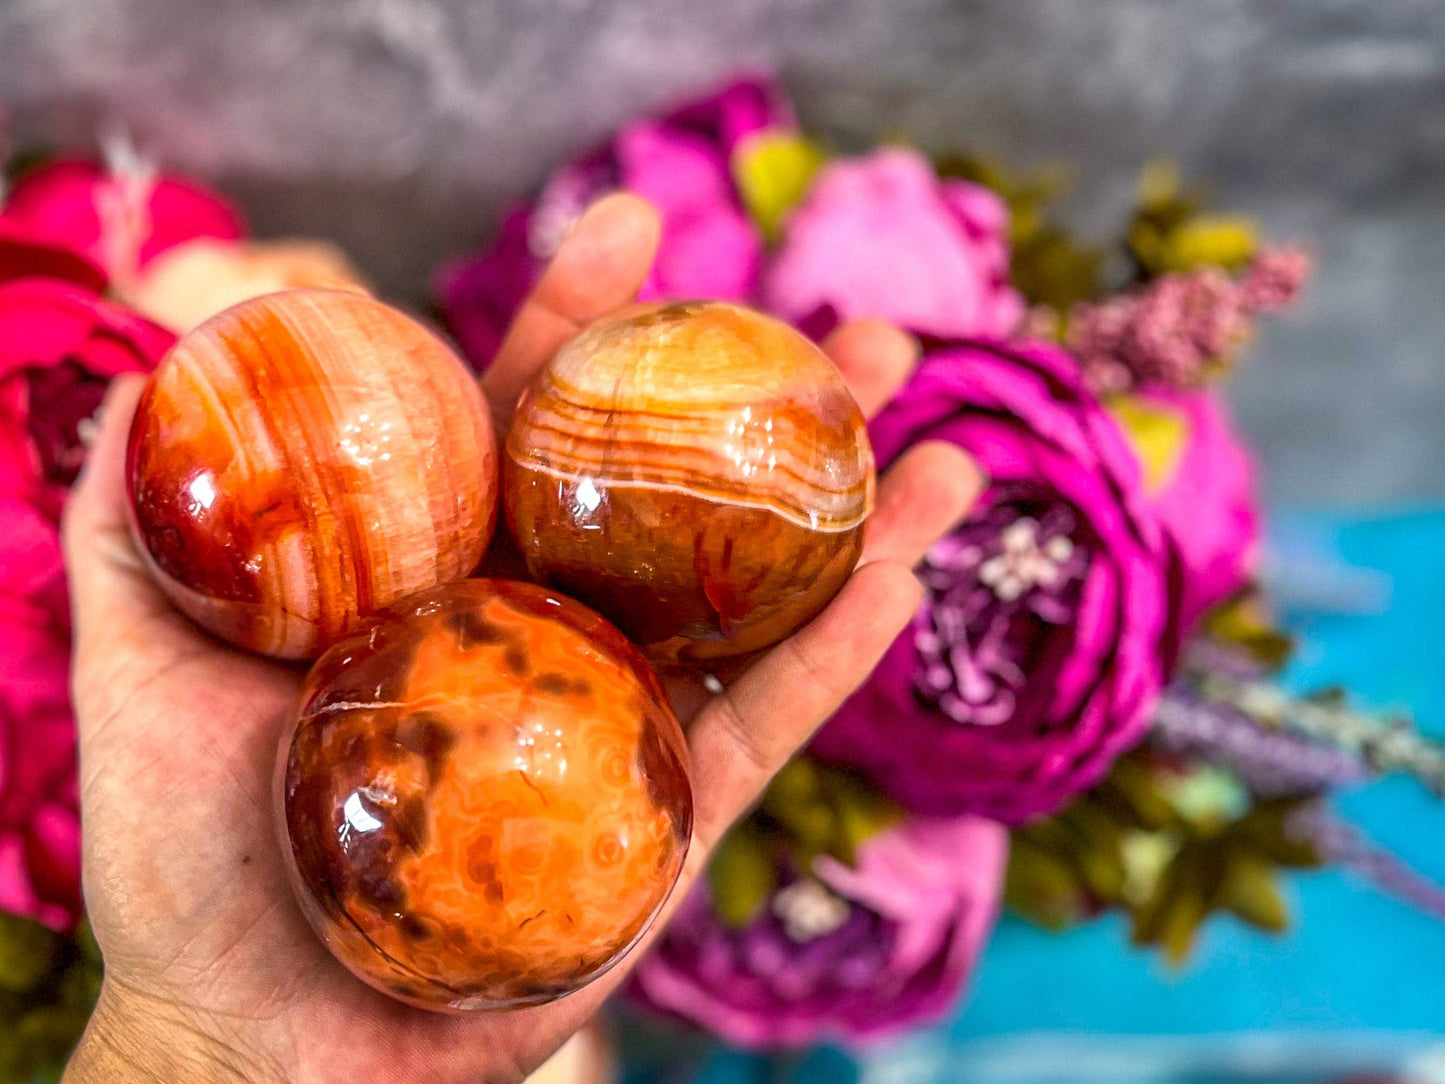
(485,798)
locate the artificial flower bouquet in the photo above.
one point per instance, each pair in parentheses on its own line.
(1081,716)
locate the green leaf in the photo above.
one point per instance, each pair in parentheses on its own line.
(1050,268)
(1133,794)
(1209,797)
(28,950)
(1042,888)
(811,810)
(860,813)
(1265,829)
(1179,927)
(1171,917)
(1169,234)
(742,876)
(1227,241)
(772,171)
(1157,434)
(46,1036)
(797,783)
(1146,856)
(1244,621)
(1251,890)
(79,987)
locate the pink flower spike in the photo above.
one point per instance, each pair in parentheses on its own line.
(1274,279)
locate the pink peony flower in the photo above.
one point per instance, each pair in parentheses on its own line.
(122,218)
(60,344)
(1038,654)
(682,164)
(1208,509)
(846,953)
(882,236)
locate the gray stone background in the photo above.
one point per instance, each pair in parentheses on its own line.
(399,127)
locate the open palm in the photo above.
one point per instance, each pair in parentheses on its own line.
(211,971)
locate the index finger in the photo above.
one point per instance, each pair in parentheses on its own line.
(599,267)
(875,358)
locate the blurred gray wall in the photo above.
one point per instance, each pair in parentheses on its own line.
(399,127)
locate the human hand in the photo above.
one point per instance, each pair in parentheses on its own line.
(212,974)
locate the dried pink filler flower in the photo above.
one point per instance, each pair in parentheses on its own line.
(1177,329)
(1275,278)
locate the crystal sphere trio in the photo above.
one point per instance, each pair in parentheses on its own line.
(484,800)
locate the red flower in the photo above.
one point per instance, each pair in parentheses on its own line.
(119,219)
(23,253)
(39,818)
(60,344)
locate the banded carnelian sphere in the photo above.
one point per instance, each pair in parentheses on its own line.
(485,801)
(304,459)
(698,472)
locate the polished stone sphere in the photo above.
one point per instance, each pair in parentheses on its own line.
(304,459)
(485,801)
(697,472)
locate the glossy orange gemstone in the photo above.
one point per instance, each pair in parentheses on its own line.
(304,459)
(485,800)
(697,472)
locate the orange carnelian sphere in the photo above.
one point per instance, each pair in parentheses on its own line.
(306,458)
(697,472)
(485,800)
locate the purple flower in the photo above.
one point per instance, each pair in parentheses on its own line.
(1207,506)
(882,236)
(1038,653)
(844,953)
(682,164)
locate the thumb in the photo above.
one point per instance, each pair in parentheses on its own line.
(110,588)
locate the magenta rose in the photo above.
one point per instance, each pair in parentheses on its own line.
(682,164)
(60,344)
(1207,506)
(25,254)
(1038,653)
(846,953)
(39,811)
(883,236)
(121,220)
